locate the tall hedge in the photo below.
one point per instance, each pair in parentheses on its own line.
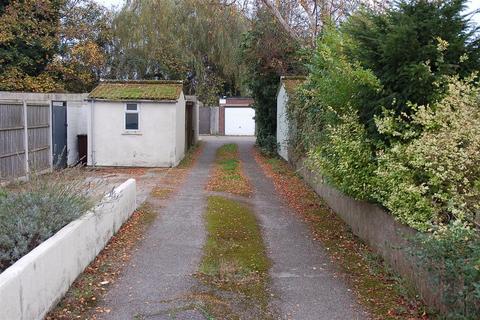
(390,113)
(410,49)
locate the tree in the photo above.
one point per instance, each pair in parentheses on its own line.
(52,45)
(191,40)
(28,43)
(85,38)
(268,52)
(411,48)
(304,19)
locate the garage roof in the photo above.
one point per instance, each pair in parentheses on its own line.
(159,90)
(236,102)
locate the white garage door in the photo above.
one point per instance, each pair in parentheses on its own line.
(239,121)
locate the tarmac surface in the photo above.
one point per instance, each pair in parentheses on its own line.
(157,283)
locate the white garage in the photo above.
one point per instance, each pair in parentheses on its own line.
(239,121)
(137,124)
(236,117)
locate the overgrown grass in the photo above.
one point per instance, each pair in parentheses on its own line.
(234,261)
(227,158)
(278,165)
(161,192)
(233,238)
(384,294)
(228,175)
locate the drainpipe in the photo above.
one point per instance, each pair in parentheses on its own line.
(174,145)
(92,118)
(50,133)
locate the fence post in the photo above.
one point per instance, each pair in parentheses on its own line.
(25,137)
(50,133)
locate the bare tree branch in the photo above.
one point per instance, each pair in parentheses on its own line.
(304,19)
(274,10)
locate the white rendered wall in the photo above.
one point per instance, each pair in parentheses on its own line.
(109,144)
(179,130)
(282,123)
(77,118)
(35,283)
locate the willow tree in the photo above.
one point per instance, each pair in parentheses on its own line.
(192,40)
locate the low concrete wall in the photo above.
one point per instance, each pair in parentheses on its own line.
(380,231)
(36,282)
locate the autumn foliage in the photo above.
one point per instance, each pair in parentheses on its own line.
(52,45)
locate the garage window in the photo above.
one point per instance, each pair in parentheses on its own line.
(131,116)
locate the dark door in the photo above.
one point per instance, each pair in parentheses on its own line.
(59,133)
(189,133)
(82,149)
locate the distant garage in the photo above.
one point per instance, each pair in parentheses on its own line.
(239,121)
(237,117)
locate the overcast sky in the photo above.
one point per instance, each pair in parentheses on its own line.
(474,4)
(109,3)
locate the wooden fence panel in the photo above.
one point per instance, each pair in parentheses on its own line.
(12,146)
(12,138)
(38,116)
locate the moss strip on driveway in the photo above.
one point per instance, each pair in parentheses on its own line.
(235,265)
(228,175)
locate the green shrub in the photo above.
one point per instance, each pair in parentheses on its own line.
(345,158)
(324,118)
(34,211)
(433,176)
(334,87)
(268,144)
(452,254)
(428,172)
(410,48)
